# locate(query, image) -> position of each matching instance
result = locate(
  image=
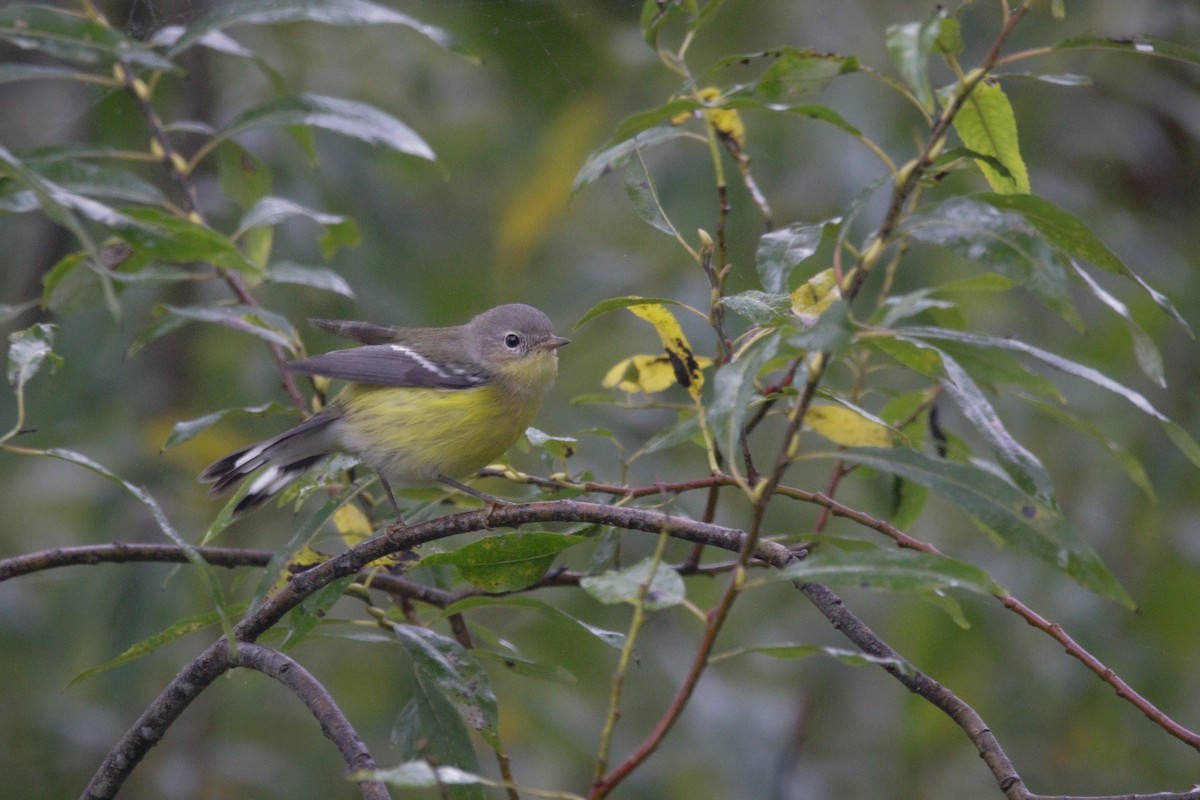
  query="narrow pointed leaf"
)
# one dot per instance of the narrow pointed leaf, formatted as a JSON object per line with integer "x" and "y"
{"x": 1182, "y": 439}
{"x": 74, "y": 37}
{"x": 313, "y": 277}
{"x": 346, "y": 117}
{"x": 1144, "y": 348}
{"x": 327, "y": 12}
{"x": 445, "y": 664}
{"x": 860, "y": 563}
{"x": 734, "y": 389}
{"x": 782, "y": 250}
{"x": 505, "y": 562}
{"x": 1073, "y": 238}
{"x": 430, "y": 727}
{"x": 151, "y": 643}
{"x": 189, "y": 429}
{"x": 611, "y": 638}
{"x": 1014, "y": 516}
{"x": 1002, "y": 241}
{"x": 611, "y": 158}
{"x": 791, "y": 652}
{"x": 1022, "y": 466}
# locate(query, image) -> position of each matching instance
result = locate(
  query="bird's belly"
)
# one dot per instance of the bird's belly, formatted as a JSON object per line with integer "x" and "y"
{"x": 412, "y": 435}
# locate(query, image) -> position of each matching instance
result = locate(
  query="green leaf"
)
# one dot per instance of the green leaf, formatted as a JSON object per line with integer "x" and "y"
{"x": 613, "y": 639}
{"x": 605, "y": 161}
{"x": 639, "y": 188}
{"x": 74, "y": 37}
{"x": 1002, "y": 508}
{"x": 1021, "y": 465}
{"x": 304, "y": 618}
{"x": 243, "y": 177}
{"x": 91, "y": 180}
{"x": 1075, "y": 240}
{"x": 664, "y": 587}
{"x": 782, "y": 250}
{"x": 1002, "y": 241}
{"x": 314, "y": 277}
{"x": 518, "y": 664}
{"x": 848, "y": 562}
{"x": 986, "y": 124}
{"x": 346, "y": 117}
{"x": 266, "y": 325}
{"x": 1144, "y": 348}
{"x": 1129, "y": 462}
{"x": 761, "y": 308}
{"x": 446, "y": 665}
{"x": 151, "y": 643}
{"x": 171, "y": 238}
{"x": 1186, "y": 444}
{"x": 422, "y": 775}
{"x": 271, "y": 211}
{"x": 792, "y": 652}
{"x": 48, "y": 199}
{"x": 686, "y": 429}
{"x": 189, "y": 429}
{"x": 429, "y": 726}
{"x": 554, "y": 446}
{"x": 24, "y": 72}
{"x": 28, "y": 350}
{"x": 612, "y": 304}
{"x": 734, "y": 389}
{"x": 327, "y": 12}
{"x": 644, "y": 120}
{"x": 798, "y": 72}
{"x": 203, "y": 568}
{"x": 505, "y": 562}
{"x": 909, "y": 46}
{"x": 1142, "y": 45}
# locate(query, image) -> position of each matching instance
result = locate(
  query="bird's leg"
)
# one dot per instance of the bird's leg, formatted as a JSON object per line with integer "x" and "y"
{"x": 491, "y": 500}
{"x": 387, "y": 487}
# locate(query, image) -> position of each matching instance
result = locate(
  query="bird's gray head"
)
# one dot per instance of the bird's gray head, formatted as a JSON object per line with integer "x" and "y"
{"x": 511, "y": 333}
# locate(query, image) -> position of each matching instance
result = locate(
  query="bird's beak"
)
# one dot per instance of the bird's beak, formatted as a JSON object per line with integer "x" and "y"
{"x": 553, "y": 343}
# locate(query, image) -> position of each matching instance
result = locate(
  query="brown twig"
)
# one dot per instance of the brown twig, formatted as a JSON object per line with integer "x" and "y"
{"x": 316, "y": 698}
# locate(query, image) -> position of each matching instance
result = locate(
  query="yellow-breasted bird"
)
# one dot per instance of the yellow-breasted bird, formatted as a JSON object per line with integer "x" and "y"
{"x": 420, "y": 404}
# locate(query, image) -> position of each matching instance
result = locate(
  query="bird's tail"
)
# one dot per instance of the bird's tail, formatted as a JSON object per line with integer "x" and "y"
{"x": 281, "y": 458}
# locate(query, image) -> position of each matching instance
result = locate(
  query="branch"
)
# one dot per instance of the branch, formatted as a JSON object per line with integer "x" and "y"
{"x": 214, "y": 661}
{"x": 918, "y": 682}
{"x": 317, "y": 699}
{"x": 120, "y": 552}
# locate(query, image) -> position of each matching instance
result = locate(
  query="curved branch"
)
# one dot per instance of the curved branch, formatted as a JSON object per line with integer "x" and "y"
{"x": 154, "y": 721}
{"x": 313, "y": 694}
{"x": 215, "y": 660}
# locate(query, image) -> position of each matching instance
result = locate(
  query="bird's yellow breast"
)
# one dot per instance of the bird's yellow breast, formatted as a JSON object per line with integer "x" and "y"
{"x": 414, "y": 434}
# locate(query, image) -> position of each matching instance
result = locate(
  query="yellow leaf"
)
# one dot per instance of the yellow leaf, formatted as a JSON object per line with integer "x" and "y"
{"x": 848, "y": 427}
{"x": 811, "y": 298}
{"x": 726, "y": 121}
{"x": 305, "y": 557}
{"x": 352, "y": 524}
{"x": 645, "y": 373}
{"x": 684, "y": 363}
{"x": 987, "y": 125}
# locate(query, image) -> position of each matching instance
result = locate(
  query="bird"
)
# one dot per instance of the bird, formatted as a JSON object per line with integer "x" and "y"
{"x": 420, "y": 405}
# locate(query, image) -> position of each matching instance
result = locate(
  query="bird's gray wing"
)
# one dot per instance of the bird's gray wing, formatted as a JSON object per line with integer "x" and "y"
{"x": 365, "y": 332}
{"x": 389, "y": 365}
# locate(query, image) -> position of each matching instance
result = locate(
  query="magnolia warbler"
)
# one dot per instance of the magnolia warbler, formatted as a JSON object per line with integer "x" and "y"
{"x": 419, "y": 405}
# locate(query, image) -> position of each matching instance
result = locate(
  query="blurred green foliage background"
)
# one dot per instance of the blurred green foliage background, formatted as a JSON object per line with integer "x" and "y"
{"x": 494, "y": 221}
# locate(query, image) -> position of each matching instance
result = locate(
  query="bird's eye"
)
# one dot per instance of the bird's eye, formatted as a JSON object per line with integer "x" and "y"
{"x": 512, "y": 341}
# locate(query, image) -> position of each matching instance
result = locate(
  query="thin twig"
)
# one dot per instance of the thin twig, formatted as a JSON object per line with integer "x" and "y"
{"x": 316, "y": 698}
